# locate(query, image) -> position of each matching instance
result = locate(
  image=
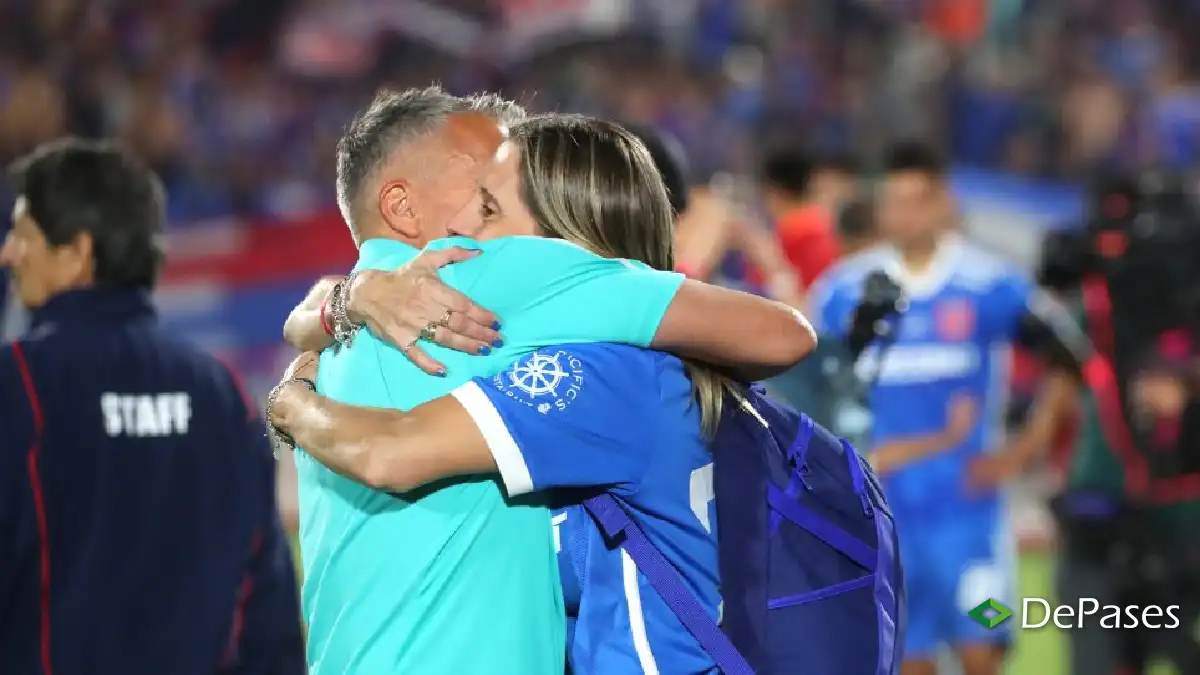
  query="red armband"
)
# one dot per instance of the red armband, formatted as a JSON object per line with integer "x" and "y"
{"x": 325, "y": 325}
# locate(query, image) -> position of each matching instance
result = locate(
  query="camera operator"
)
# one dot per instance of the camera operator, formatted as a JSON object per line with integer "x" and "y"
{"x": 1128, "y": 522}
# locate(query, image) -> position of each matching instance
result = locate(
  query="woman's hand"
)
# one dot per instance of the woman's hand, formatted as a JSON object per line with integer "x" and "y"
{"x": 410, "y": 304}
{"x": 302, "y": 367}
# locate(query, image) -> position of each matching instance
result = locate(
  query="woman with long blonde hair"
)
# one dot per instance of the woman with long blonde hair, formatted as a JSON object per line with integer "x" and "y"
{"x": 567, "y": 421}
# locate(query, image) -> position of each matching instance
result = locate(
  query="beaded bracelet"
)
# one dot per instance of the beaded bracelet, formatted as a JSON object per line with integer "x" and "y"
{"x": 343, "y": 328}
{"x": 279, "y": 438}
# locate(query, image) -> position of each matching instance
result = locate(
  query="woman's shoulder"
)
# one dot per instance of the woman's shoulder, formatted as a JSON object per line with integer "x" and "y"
{"x": 622, "y": 365}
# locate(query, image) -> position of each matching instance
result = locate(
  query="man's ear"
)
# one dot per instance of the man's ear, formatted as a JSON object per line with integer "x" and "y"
{"x": 75, "y": 261}
{"x": 397, "y": 209}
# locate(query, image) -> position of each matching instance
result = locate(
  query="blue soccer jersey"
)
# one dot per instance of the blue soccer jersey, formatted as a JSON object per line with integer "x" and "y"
{"x": 953, "y": 341}
{"x": 625, "y": 419}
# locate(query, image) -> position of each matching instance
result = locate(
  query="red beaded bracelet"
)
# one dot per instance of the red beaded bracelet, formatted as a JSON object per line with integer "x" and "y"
{"x": 325, "y": 325}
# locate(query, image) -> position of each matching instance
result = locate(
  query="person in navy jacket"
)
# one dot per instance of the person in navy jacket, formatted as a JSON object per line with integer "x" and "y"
{"x": 138, "y": 527}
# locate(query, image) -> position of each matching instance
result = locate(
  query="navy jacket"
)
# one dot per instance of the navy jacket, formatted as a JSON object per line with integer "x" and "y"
{"x": 3, "y": 298}
{"x": 138, "y": 526}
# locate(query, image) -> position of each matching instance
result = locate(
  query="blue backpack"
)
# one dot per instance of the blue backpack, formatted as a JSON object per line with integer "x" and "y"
{"x": 809, "y": 563}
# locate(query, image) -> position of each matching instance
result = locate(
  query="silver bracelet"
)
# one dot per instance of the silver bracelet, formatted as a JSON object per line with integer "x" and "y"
{"x": 337, "y": 314}
{"x": 343, "y": 328}
{"x": 280, "y": 439}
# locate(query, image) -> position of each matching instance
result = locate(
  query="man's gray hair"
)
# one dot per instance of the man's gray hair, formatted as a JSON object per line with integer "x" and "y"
{"x": 397, "y": 117}
{"x": 493, "y": 105}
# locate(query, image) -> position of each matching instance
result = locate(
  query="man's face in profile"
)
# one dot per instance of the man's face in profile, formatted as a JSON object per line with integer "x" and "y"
{"x": 470, "y": 143}
{"x": 29, "y": 258}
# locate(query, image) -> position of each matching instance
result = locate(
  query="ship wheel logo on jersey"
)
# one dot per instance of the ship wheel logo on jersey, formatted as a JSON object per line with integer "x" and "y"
{"x": 543, "y": 381}
{"x": 538, "y": 376}
{"x": 954, "y": 319}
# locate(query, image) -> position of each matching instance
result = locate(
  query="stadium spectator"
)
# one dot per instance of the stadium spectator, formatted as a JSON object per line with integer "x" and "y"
{"x": 802, "y": 194}
{"x": 712, "y": 226}
{"x": 819, "y": 385}
{"x": 856, "y": 228}
{"x": 244, "y": 102}
{"x": 138, "y": 530}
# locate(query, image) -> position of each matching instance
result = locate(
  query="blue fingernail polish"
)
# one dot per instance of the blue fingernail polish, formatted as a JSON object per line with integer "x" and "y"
{"x": 495, "y": 325}
{"x": 484, "y": 349}
{"x": 441, "y": 373}
{"x": 497, "y": 343}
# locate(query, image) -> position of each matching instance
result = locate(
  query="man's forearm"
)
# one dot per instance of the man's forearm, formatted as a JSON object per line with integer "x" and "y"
{"x": 303, "y": 329}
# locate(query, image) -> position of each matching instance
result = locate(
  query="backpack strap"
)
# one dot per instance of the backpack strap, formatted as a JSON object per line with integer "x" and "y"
{"x": 821, "y": 528}
{"x": 619, "y": 528}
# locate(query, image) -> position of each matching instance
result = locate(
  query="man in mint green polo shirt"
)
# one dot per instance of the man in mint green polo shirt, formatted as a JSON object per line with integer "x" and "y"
{"x": 478, "y": 569}
{"x": 454, "y": 580}
{"x": 414, "y": 584}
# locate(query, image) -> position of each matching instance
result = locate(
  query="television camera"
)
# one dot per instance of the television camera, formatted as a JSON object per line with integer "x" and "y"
{"x": 1135, "y": 264}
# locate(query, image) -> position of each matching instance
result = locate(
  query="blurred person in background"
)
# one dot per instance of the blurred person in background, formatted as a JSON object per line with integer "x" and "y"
{"x": 712, "y": 224}
{"x": 408, "y": 170}
{"x": 245, "y": 100}
{"x": 936, "y": 397}
{"x": 803, "y": 194}
{"x": 857, "y": 229}
{"x": 671, "y": 163}
{"x": 137, "y": 515}
{"x": 820, "y": 385}
{"x": 1093, "y": 510}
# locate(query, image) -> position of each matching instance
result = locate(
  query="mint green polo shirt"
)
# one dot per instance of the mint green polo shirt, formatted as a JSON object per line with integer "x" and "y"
{"x": 452, "y": 580}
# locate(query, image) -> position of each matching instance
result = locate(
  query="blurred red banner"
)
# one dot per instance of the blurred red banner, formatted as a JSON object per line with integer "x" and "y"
{"x": 239, "y": 253}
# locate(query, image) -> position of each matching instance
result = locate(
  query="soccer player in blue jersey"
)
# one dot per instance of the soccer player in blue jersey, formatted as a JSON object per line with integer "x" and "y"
{"x": 938, "y": 399}
{"x": 571, "y": 416}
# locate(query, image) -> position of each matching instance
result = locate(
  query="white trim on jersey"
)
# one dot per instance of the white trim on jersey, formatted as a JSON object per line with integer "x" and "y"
{"x": 932, "y": 280}
{"x": 637, "y": 619}
{"x": 509, "y": 460}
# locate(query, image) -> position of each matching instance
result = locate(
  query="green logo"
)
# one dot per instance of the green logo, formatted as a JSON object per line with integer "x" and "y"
{"x": 990, "y": 613}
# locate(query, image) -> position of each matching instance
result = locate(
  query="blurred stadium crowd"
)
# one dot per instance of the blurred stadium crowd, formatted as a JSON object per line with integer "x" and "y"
{"x": 238, "y": 106}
